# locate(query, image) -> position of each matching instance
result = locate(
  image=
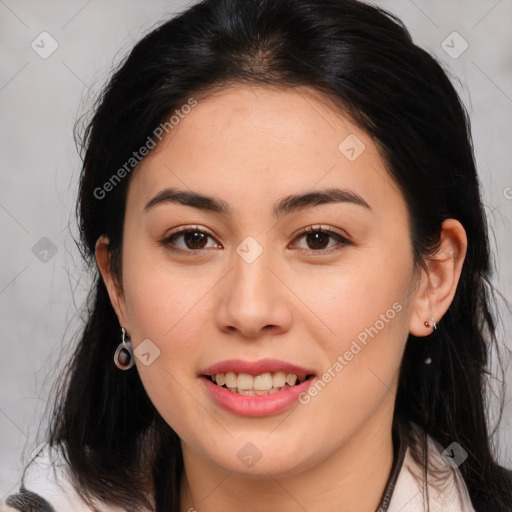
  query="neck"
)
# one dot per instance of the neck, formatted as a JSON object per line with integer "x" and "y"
{"x": 353, "y": 477}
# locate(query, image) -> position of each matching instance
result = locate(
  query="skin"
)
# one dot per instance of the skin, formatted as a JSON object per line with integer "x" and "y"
{"x": 251, "y": 146}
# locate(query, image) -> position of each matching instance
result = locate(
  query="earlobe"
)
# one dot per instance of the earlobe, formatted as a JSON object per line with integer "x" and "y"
{"x": 421, "y": 308}
{"x": 439, "y": 281}
{"x": 111, "y": 281}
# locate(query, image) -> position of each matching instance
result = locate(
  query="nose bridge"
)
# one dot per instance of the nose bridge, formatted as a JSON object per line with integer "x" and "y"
{"x": 252, "y": 297}
{"x": 251, "y": 275}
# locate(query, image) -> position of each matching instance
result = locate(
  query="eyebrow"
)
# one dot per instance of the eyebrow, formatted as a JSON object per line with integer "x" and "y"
{"x": 282, "y": 207}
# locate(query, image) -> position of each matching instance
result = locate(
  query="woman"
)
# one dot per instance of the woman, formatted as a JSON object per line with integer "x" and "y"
{"x": 292, "y": 308}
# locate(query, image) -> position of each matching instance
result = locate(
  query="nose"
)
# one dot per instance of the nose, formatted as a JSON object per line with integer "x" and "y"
{"x": 254, "y": 299}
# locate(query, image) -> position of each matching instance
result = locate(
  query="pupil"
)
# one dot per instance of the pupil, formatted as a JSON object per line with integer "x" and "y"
{"x": 315, "y": 242}
{"x": 195, "y": 238}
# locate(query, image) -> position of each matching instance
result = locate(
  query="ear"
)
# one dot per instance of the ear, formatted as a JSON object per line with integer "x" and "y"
{"x": 438, "y": 283}
{"x": 114, "y": 287}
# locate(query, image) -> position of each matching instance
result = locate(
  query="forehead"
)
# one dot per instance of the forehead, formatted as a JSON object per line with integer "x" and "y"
{"x": 261, "y": 142}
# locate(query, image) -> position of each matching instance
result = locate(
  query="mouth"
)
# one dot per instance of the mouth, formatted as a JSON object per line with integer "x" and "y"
{"x": 262, "y": 384}
{"x": 256, "y": 388}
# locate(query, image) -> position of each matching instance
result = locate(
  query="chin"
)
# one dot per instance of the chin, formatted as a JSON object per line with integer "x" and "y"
{"x": 251, "y": 458}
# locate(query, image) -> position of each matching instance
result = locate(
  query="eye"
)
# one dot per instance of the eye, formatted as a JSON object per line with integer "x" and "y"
{"x": 195, "y": 239}
{"x": 318, "y": 238}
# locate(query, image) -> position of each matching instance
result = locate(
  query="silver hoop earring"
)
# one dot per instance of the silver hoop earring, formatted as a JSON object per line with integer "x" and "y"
{"x": 123, "y": 357}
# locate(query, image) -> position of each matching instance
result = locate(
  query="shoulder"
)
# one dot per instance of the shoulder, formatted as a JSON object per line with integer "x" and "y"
{"x": 45, "y": 487}
{"x": 445, "y": 485}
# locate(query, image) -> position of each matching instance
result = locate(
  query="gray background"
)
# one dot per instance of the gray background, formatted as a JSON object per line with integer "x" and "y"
{"x": 40, "y": 100}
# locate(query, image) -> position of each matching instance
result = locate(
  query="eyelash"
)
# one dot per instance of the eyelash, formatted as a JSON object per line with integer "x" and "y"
{"x": 342, "y": 241}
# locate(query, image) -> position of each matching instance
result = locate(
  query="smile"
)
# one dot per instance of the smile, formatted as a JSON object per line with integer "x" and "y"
{"x": 261, "y": 385}
{"x": 255, "y": 388}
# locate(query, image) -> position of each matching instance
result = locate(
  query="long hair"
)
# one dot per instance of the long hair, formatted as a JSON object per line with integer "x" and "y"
{"x": 119, "y": 448}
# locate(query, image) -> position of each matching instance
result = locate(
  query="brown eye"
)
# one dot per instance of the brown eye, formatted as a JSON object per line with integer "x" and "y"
{"x": 317, "y": 239}
{"x": 193, "y": 240}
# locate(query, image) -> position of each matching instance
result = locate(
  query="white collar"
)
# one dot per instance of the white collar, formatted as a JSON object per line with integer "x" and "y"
{"x": 447, "y": 491}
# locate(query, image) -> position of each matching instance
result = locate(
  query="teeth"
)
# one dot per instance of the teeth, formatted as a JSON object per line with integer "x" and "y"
{"x": 291, "y": 379}
{"x": 245, "y": 391}
{"x": 245, "y": 381}
{"x": 231, "y": 380}
{"x": 279, "y": 379}
{"x": 264, "y": 384}
{"x": 255, "y": 392}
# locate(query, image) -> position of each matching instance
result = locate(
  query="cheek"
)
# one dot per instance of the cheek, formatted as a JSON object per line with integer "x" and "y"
{"x": 352, "y": 298}
{"x": 363, "y": 312}
{"x": 160, "y": 296}
{"x": 164, "y": 306}
{"x": 162, "y": 302}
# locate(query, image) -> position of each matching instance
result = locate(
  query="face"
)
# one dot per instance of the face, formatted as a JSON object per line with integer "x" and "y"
{"x": 245, "y": 290}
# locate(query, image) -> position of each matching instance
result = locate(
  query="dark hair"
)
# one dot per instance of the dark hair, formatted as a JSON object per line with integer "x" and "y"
{"x": 119, "y": 448}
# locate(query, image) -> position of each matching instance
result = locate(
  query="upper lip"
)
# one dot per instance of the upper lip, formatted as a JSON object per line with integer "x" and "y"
{"x": 256, "y": 367}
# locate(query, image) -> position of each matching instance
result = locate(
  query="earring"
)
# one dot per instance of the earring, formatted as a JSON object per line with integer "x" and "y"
{"x": 434, "y": 325}
{"x": 123, "y": 357}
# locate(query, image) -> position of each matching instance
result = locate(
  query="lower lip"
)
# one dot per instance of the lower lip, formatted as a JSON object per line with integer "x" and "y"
{"x": 255, "y": 405}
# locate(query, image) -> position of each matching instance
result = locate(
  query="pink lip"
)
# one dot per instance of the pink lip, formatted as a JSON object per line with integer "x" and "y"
{"x": 255, "y": 367}
{"x": 255, "y": 405}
